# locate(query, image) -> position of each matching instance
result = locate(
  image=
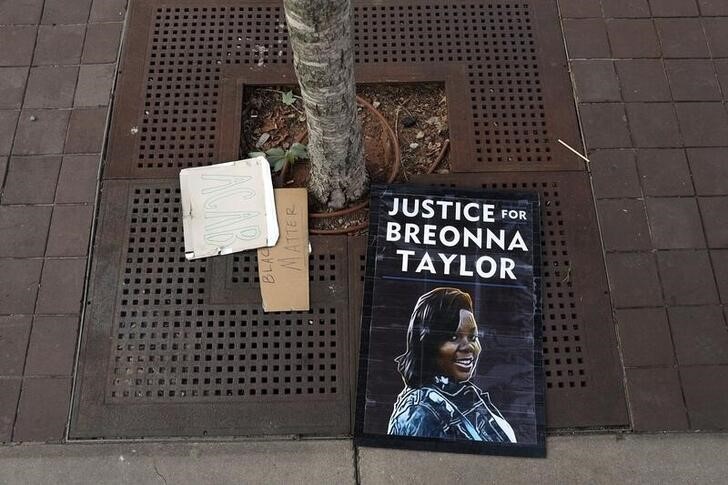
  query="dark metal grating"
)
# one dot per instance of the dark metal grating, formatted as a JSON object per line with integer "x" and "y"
{"x": 516, "y": 91}
{"x": 583, "y": 375}
{"x": 162, "y": 339}
{"x": 194, "y": 333}
{"x": 170, "y": 347}
{"x": 496, "y": 41}
{"x": 178, "y": 348}
{"x": 188, "y": 45}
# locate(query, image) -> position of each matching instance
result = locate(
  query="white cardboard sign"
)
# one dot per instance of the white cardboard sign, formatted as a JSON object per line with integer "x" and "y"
{"x": 228, "y": 207}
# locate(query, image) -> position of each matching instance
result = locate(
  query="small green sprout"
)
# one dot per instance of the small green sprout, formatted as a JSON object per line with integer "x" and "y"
{"x": 277, "y": 156}
{"x": 288, "y": 98}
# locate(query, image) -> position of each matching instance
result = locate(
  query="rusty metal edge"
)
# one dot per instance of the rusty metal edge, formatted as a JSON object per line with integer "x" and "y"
{"x": 130, "y": 85}
{"x": 558, "y": 94}
{"x": 91, "y": 380}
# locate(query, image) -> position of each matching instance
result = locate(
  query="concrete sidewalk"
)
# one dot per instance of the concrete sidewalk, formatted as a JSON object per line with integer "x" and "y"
{"x": 330, "y": 461}
{"x": 634, "y": 458}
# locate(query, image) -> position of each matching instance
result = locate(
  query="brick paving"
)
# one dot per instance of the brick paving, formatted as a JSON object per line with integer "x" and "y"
{"x": 651, "y": 83}
{"x": 57, "y": 67}
{"x": 651, "y": 86}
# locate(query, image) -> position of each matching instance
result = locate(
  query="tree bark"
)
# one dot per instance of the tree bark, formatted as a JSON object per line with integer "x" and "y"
{"x": 320, "y": 32}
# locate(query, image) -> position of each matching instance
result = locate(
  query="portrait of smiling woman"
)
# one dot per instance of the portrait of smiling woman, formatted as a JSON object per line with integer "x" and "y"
{"x": 439, "y": 400}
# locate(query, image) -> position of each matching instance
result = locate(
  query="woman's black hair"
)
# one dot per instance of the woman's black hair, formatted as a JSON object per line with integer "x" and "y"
{"x": 435, "y": 317}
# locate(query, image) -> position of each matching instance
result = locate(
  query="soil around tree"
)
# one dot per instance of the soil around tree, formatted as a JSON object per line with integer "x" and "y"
{"x": 418, "y": 115}
{"x": 416, "y": 112}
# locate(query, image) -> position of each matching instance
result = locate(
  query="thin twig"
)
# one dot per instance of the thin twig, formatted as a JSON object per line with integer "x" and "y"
{"x": 282, "y": 92}
{"x": 404, "y": 106}
{"x": 440, "y": 156}
{"x": 575, "y": 152}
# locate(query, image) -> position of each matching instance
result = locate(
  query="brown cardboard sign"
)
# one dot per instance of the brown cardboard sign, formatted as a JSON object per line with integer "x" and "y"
{"x": 283, "y": 268}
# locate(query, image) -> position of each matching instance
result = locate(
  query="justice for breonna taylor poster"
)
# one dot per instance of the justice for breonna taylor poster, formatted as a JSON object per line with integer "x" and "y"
{"x": 450, "y": 354}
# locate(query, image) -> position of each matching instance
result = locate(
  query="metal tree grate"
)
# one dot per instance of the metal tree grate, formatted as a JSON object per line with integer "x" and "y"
{"x": 181, "y": 348}
{"x": 188, "y": 45}
{"x": 170, "y": 347}
{"x": 563, "y": 342}
{"x": 516, "y": 84}
{"x": 579, "y": 343}
{"x": 497, "y": 43}
{"x": 181, "y": 342}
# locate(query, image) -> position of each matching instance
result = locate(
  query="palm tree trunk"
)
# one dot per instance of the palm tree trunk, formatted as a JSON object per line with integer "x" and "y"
{"x": 321, "y": 37}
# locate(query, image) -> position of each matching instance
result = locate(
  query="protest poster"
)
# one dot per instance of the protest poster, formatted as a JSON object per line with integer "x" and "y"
{"x": 450, "y": 355}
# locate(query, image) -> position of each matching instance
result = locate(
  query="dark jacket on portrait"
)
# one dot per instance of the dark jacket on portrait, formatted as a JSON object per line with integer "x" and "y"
{"x": 450, "y": 410}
